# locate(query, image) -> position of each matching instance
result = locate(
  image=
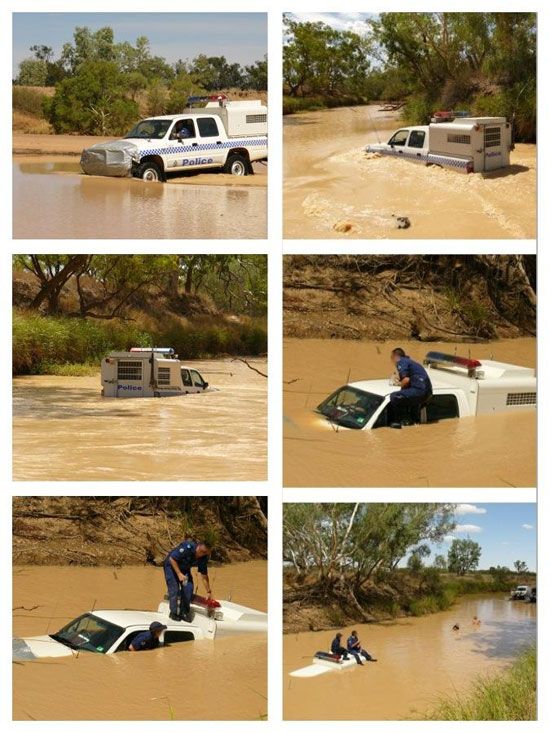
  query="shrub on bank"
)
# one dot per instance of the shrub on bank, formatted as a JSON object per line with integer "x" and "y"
{"x": 29, "y": 101}
{"x": 511, "y": 695}
{"x": 69, "y": 346}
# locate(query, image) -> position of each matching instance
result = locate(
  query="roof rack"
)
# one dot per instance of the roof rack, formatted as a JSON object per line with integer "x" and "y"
{"x": 437, "y": 358}
{"x": 155, "y": 349}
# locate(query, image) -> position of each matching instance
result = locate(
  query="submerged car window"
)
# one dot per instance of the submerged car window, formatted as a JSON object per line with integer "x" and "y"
{"x": 90, "y": 633}
{"x": 400, "y": 138}
{"x": 442, "y": 407}
{"x": 416, "y": 139}
{"x": 198, "y": 381}
{"x": 174, "y": 637}
{"x": 350, "y": 407}
{"x": 150, "y": 129}
{"x": 208, "y": 127}
{"x": 186, "y": 378}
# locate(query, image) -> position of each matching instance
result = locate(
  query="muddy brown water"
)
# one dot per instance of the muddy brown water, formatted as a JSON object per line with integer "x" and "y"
{"x": 66, "y": 204}
{"x": 221, "y": 679}
{"x": 64, "y": 430}
{"x": 420, "y": 660}
{"x": 489, "y": 450}
{"x": 330, "y": 183}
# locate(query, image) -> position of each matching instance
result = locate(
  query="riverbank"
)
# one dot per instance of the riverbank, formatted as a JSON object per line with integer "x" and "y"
{"x": 307, "y": 607}
{"x": 295, "y": 105}
{"x": 68, "y": 346}
{"x": 111, "y": 531}
{"x": 511, "y": 695}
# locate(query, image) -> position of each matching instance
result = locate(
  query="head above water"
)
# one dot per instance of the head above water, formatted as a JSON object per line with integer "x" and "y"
{"x": 156, "y": 628}
{"x": 396, "y": 354}
{"x": 338, "y": 635}
{"x": 202, "y": 549}
{"x": 354, "y": 633}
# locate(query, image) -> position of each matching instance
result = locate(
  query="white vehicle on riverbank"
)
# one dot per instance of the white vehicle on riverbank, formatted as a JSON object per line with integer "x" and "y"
{"x": 324, "y": 662}
{"x": 521, "y": 593}
{"x": 148, "y": 372}
{"x": 223, "y": 134}
{"x": 108, "y": 631}
{"x": 462, "y": 387}
{"x": 467, "y": 144}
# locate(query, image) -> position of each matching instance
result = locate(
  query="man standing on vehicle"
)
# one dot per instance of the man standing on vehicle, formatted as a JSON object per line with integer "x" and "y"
{"x": 148, "y": 639}
{"x": 416, "y": 387}
{"x": 179, "y": 578}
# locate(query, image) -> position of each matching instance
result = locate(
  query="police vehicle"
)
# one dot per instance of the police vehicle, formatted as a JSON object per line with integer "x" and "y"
{"x": 228, "y": 135}
{"x": 148, "y": 372}
{"x": 462, "y": 387}
{"x": 108, "y": 632}
{"x": 466, "y": 144}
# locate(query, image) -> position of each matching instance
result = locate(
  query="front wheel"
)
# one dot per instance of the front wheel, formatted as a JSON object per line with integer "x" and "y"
{"x": 150, "y": 172}
{"x": 237, "y": 165}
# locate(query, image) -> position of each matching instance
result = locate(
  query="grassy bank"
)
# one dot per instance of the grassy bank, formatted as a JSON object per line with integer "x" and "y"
{"x": 291, "y": 105}
{"x": 511, "y": 695}
{"x": 75, "y": 346}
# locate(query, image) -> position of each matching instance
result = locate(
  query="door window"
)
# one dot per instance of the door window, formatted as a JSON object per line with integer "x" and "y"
{"x": 183, "y": 130}
{"x": 208, "y": 127}
{"x": 400, "y": 138}
{"x": 416, "y": 139}
{"x": 442, "y": 407}
{"x": 186, "y": 378}
{"x": 198, "y": 381}
{"x": 175, "y": 637}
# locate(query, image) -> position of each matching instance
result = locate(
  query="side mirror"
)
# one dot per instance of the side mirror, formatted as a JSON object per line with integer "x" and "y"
{"x": 205, "y": 385}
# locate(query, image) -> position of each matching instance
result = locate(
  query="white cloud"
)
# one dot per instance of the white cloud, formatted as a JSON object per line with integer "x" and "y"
{"x": 468, "y": 529}
{"x": 527, "y": 526}
{"x": 469, "y": 509}
{"x": 355, "y": 22}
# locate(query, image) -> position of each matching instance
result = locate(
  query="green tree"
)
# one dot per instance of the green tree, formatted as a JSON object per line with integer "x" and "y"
{"x": 520, "y": 567}
{"x": 463, "y": 556}
{"x": 255, "y": 76}
{"x": 157, "y": 98}
{"x": 32, "y": 73}
{"x": 93, "y": 101}
{"x": 181, "y": 88}
{"x": 440, "y": 562}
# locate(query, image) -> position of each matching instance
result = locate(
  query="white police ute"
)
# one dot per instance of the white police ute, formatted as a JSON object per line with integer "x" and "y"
{"x": 462, "y": 387}
{"x": 227, "y": 135}
{"x": 108, "y": 631}
{"x": 148, "y": 372}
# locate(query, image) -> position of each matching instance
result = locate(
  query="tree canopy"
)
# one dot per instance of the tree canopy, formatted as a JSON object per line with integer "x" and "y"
{"x": 463, "y": 556}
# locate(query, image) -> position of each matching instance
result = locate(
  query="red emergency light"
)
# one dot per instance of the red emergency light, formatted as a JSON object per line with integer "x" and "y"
{"x": 437, "y": 357}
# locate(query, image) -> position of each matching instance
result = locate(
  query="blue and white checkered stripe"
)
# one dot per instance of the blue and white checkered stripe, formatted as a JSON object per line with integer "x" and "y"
{"x": 176, "y": 149}
{"x": 444, "y": 160}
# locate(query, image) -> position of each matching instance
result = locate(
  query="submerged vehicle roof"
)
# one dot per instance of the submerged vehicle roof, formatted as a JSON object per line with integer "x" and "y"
{"x": 442, "y": 377}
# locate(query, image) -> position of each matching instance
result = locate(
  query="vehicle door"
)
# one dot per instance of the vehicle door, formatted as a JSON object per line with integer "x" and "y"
{"x": 199, "y": 385}
{"x": 415, "y": 148}
{"x": 122, "y": 644}
{"x": 212, "y": 142}
{"x": 182, "y": 148}
{"x": 380, "y": 419}
{"x": 398, "y": 142}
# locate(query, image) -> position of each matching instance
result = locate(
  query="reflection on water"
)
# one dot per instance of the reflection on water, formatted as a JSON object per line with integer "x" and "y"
{"x": 419, "y": 660}
{"x": 64, "y": 430}
{"x": 489, "y": 450}
{"x": 221, "y": 679}
{"x": 329, "y": 181}
{"x": 66, "y": 204}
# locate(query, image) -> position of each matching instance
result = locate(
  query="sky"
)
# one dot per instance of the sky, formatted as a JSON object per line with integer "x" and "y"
{"x": 506, "y": 532}
{"x": 240, "y": 37}
{"x": 339, "y": 21}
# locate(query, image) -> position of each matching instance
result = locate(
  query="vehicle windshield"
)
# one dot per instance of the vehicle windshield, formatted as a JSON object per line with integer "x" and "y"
{"x": 150, "y": 130}
{"x": 90, "y": 633}
{"x": 350, "y": 407}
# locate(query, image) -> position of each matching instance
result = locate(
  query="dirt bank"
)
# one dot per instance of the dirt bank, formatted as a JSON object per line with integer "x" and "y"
{"x": 307, "y": 607}
{"x": 428, "y": 298}
{"x": 117, "y": 531}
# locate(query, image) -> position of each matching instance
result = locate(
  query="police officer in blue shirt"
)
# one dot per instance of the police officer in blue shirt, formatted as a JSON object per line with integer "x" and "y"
{"x": 148, "y": 639}
{"x": 179, "y": 578}
{"x": 416, "y": 387}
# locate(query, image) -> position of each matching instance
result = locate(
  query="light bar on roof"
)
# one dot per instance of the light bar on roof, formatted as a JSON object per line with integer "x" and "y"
{"x": 148, "y": 350}
{"x": 438, "y": 357}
